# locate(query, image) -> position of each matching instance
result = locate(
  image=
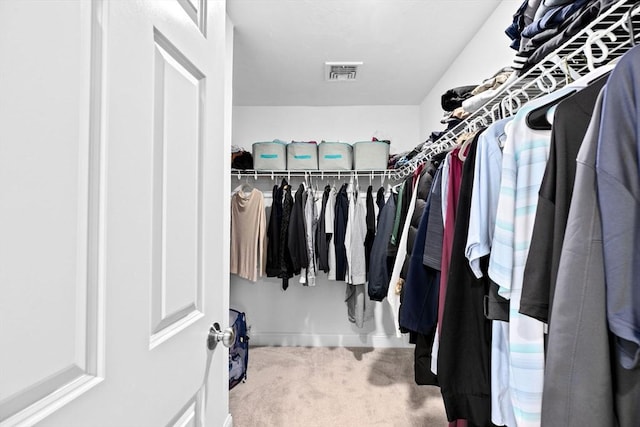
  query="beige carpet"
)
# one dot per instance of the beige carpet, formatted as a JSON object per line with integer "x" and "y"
{"x": 333, "y": 387}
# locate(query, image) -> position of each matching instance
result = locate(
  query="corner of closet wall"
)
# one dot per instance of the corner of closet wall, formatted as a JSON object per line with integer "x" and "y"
{"x": 486, "y": 53}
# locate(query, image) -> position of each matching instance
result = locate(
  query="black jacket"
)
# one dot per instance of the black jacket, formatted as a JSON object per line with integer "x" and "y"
{"x": 286, "y": 266}
{"x": 424, "y": 186}
{"x": 297, "y": 240}
{"x": 322, "y": 239}
{"x": 340, "y": 229}
{"x": 273, "y": 233}
{"x": 379, "y": 264}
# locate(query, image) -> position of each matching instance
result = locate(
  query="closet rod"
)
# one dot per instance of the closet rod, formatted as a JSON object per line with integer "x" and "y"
{"x": 610, "y": 35}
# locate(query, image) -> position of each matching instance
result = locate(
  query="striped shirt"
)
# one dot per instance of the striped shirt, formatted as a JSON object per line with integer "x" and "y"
{"x": 524, "y": 160}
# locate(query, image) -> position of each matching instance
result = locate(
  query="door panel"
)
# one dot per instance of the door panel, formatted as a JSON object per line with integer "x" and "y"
{"x": 179, "y": 95}
{"x": 110, "y": 263}
{"x": 197, "y": 11}
{"x": 49, "y": 216}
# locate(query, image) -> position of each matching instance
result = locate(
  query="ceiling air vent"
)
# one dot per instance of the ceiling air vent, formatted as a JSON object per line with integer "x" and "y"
{"x": 341, "y": 71}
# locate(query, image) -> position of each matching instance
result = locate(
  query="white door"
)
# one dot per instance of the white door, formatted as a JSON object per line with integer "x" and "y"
{"x": 113, "y": 216}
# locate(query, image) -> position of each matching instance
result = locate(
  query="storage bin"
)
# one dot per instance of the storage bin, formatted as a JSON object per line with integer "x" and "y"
{"x": 302, "y": 156}
{"x": 370, "y": 155}
{"x": 335, "y": 156}
{"x": 269, "y": 155}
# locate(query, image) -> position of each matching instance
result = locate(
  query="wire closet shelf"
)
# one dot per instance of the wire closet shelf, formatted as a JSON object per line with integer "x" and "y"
{"x": 321, "y": 175}
{"x": 602, "y": 42}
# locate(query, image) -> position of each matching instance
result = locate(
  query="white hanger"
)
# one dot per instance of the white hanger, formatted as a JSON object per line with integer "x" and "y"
{"x": 628, "y": 25}
{"x": 595, "y": 37}
{"x": 546, "y": 74}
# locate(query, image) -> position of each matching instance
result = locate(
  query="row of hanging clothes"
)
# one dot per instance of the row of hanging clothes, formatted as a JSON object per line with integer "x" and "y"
{"x": 331, "y": 233}
{"x": 523, "y": 298}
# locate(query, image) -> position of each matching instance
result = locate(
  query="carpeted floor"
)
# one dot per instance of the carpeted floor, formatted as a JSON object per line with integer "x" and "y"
{"x": 333, "y": 387}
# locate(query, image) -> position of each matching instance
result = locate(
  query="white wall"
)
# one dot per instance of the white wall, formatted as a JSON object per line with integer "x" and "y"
{"x": 308, "y": 316}
{"x": 400, "y": 124}
{"x": 485, "y": 54}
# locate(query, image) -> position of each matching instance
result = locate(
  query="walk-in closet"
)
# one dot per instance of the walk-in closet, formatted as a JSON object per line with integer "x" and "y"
{"x": 458, "y": 255}
{"x": 312, "y": 213}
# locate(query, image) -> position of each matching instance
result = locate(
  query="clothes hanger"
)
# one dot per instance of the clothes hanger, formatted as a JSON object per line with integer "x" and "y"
{"x": 546, "y": 76}
{"x": 595, "y": 37}
{"x": 467, "y": 139}
{"x": 541, "y": 117}
{"x": 538, "y": 118}
{"x": 284, "y": 184}
{"x": 629, "y": 24}
{"x": 247, "y": 187}
{"x": 512, "y": 102}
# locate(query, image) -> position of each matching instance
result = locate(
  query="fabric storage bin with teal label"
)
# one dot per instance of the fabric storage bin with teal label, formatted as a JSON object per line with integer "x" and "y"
{"x": 269, "y": 156}
{"x": 335, "y": 156}
{"x": 302, "y": 156}
{"x": 370, "y": 155}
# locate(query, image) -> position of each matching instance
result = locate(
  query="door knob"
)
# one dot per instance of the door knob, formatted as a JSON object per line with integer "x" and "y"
{"x": 228, "y": 336}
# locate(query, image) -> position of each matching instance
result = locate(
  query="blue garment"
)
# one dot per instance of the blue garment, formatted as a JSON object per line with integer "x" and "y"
{"x": 419, "y": 309}
{"x": 618, "y": 170}
{"x": 553, "y": 18}
{"x": 379, "y": 271}
{"x": 514, "y": 30}
{"x": 432, "y": 256}
{"x": 486, "y": 189}
{"x": 482, "y": 220}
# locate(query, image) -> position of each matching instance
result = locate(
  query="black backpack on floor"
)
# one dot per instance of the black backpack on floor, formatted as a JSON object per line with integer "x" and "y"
{"x": 239, "y": 351}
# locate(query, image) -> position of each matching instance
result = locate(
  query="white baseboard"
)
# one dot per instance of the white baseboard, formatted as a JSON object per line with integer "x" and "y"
{"x": 327, "y": 340}
{"x": 229, "y": 421}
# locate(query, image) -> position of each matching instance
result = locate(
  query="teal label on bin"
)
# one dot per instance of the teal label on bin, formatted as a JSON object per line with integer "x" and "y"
{"x": 333, "y": 156}
{"x": 268, "y": 156}
{"x": 302, "y": 156}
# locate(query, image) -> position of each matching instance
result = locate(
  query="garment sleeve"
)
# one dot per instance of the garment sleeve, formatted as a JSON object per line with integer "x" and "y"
{"x": 484, "y": 201}
{"x": 347, "y": 241}
{"x": 537, "y": 271}
{"x": 444, "y": 187}
{"x": 358, "y": 266}
{"x": 502, "y": 252}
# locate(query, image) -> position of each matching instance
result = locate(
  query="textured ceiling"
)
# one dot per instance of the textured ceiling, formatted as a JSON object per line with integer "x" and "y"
{"x": 281, "y": 46}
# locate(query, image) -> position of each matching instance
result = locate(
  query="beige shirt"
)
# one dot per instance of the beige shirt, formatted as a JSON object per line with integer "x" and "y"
{"x": 248, "y": 234}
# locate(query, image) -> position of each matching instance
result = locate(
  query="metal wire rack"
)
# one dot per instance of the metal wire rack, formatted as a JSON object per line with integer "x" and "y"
{"x": 602, "y": 42}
